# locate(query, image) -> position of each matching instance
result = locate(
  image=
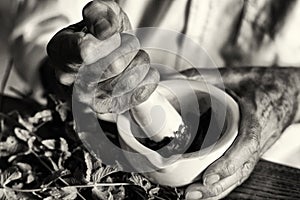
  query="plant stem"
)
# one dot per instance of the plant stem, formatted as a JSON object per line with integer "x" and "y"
{"x": 5, "y": 79}
{"x": 69, "y": 186}
{"x": 62, "y": 180}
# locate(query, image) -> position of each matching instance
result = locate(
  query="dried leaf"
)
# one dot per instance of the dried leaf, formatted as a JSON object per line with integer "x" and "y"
{"x": 24, "y": 122}
{"x": 104, "y": 171}
{"x": 99, "y": 193}
{"x": 53, "y": 177}
{"x": 2, "y": 194}
{"x": 43, "y": 116}
{"x": 9, "y": 195}
{"x": 22, "y": 134}
{"x": 27, "y": 170}
{"x": 140, "y": 181}
{"x": 179, "y": 193}
{"x": 70, "y": 193}
{"x": 111, "y": 192}
{"x": 67, "y": 193}
{"x": 10, "y": 146}
{"x": 64, "y": 147}
{"x": 89, "y": 166}
{"x": 62, "y": 109}
{"x": 153, "y": 192}
{"x": 30, "y": 143}
{"x": 24, "y": 167}
{"x": 30, "y": 179}
{"x": 50, "y": 144}
{"x": 12, "y": 177}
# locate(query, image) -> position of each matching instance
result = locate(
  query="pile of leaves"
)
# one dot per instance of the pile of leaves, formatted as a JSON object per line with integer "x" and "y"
{"x": 41, "y": 157}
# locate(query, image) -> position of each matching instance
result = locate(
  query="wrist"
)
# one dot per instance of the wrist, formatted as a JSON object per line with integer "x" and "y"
{"x": 282, "y": 88}
{"x": 296, "y": 78}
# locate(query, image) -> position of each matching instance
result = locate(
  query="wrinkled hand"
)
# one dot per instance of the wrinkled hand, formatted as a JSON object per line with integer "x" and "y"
{"x": 90, "y": 40}
{"x": 268, "y": 100}
{"x": 110, "y": 72}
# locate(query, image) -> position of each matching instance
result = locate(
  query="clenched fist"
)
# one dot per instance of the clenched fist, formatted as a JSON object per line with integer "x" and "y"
{"x": 116, "y": 75}
{"x": 86, "y": 42}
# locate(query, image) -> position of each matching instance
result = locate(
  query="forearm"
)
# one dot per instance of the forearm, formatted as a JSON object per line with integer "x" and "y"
{"x": 273, "y": 90}
{"x": 272, "y": 94}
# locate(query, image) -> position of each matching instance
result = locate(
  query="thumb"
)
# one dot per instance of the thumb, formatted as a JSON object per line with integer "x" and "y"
{"x": 103, "y": 18}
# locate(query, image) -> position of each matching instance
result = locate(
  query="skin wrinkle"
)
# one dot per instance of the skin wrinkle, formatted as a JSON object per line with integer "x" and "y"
{"x": 268, "y": 98}
{"x": 273, "y": 91}
{"x": 282, "y": 98}
{"x": 248, "y": 167}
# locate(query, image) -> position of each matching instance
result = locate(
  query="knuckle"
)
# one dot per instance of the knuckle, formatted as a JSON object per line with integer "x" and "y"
{"x": 229, "y": 168}
{"x": 92, "y": 8}
{"x": 248, "y": 167}
{"x": 217, "y": 189}
{"x": 253, "y": 143}
{"x": 224, "y": 166}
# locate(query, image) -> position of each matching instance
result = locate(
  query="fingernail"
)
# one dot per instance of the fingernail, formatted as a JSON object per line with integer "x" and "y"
{"x": 193, "y": 195}
{"x": 211, "y": 179}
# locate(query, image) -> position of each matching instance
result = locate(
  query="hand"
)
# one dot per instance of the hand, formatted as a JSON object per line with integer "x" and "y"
{"x": 268, "y": 98}
{"x": 86, "y": 42}
{"x": 116, "y": 74}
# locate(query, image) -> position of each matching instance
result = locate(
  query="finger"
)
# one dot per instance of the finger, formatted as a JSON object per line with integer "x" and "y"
{"x": 69, "y": 49}
{"x": 109, "y": 103}
{"x": 72, "y": 47}
{"x": 222, "y": 188}
{"x": 68, "y": 58}
{"x": 103, "y": 18}
{"x": 65, "y": 78}
{"x": 64, "y": 47}
{"x": 130, "y": 77}
{"x": 92, "y": 49}
{"x": 245, "y": 145}
{"x": 113, "y": 64}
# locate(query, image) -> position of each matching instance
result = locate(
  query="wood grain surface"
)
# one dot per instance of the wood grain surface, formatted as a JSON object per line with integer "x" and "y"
{"x": 270, "y": 181}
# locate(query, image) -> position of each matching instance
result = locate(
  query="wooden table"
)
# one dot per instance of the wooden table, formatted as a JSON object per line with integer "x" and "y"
{"x": 270, "y": 181}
